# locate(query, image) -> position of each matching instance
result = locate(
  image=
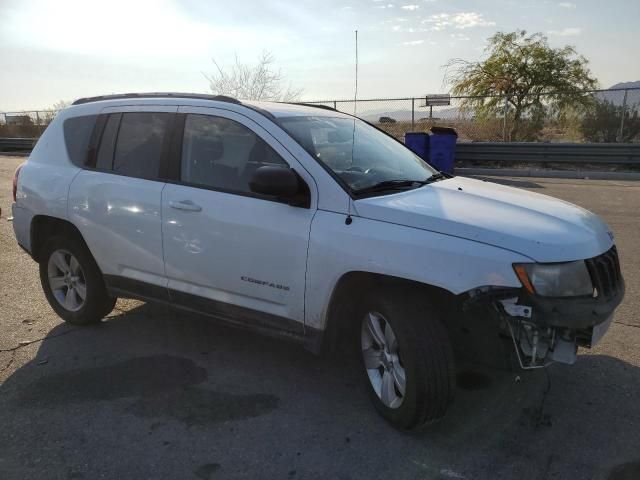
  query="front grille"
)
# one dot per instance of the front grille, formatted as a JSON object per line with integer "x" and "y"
{"x": 605, "y": 273}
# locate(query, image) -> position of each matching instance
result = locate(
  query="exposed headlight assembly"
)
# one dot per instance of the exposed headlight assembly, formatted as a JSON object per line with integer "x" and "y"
{"x": 570, "y": 279}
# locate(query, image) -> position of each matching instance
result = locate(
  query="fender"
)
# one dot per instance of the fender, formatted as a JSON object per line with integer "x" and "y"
{"x": 450, "y": 263}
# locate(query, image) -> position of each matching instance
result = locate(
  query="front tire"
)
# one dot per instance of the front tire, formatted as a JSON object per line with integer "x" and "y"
{"x": 406, "y": 357}
{"x": 72, "y": 282}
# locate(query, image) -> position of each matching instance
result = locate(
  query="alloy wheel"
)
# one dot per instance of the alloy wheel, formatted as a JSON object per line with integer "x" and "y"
{"x": 382, "y": 360}
{"x": 67, "y": 280}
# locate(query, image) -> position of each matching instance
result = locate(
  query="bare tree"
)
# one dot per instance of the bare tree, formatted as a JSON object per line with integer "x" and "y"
{"x": 61, "y": 104}
{"x": 252, "y": 82}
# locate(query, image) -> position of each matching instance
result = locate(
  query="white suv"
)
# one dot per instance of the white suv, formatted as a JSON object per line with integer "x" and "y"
{"x": 306, "y": 223}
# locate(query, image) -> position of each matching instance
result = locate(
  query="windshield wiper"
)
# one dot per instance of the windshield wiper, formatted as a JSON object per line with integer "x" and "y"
{"x": 390, "y": 185}
{"x": 437, "y": 177}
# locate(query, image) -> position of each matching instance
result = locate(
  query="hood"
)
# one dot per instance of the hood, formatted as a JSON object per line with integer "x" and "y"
{"x": 540, "y": 227}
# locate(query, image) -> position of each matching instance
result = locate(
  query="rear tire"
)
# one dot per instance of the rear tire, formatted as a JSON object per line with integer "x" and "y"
{"x": 406, "y": 357}
{"x": 72, "y": 281}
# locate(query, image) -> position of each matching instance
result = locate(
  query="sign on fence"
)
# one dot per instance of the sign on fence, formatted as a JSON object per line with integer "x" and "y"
{"x": 436, "y": 100}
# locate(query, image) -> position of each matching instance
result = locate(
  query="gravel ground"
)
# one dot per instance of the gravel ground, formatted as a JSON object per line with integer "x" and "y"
{"x": 151, "y": 393}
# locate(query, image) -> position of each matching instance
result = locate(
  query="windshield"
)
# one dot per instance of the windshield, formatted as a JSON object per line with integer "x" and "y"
{"x": 359, "y": 154}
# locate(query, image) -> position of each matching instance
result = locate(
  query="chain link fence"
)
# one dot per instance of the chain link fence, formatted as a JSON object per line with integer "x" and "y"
{"x": 600, "y": 116}
{"x": 26, "y": 124}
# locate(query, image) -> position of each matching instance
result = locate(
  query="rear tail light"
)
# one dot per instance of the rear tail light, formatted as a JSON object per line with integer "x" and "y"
{"x": 15, "y": 181}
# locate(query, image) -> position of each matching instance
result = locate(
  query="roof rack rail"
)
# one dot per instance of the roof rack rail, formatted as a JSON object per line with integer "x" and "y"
{"x": 314, "y": 105}
{"x": 117, "y": 96}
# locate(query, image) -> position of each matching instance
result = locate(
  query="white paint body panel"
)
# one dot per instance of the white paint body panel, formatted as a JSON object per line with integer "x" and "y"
{"x": 541, "y": 227}
{"x": 452, "y": 263}
{"x": 212, "y": 253}
{"x": 44, "y": 179}
{"x": 119, "y": 218}
{"x": 456, "y": 234}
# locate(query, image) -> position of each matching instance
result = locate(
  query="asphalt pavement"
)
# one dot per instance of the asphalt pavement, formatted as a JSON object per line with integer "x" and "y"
{"x": 153, "y": 393}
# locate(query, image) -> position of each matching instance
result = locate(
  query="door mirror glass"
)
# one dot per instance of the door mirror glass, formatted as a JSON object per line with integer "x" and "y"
{"x": 274, "y": 181}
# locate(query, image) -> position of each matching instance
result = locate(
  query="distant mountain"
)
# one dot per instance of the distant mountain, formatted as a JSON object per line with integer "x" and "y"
{"x": 633, "y": 96}
{"x": 635, "y": 84}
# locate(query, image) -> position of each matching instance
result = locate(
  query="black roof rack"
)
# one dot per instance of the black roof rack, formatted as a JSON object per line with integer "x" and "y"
{"x": 314, "y": 105}
{"x": 117, "y": 96}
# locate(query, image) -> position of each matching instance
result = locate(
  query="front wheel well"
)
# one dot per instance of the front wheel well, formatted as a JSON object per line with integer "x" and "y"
{"x": 351, "y": 289}
{"x": 44, "y": 227}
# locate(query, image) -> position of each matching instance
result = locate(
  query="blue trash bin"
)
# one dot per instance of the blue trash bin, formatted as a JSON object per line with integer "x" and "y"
{"x": 418, "y": 143}
{"x": 442, "y": 148}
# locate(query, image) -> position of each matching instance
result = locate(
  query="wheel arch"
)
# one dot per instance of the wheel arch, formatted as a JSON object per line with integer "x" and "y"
{"x": 44, "y": 227}
{"x": 349, "y": 291}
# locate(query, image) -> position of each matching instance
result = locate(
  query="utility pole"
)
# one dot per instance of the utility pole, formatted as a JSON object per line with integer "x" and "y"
{"x": 504, "y": 118}
{"x": 355, "y": 95}
{"x": 624, "y": 108}
{"x": 413, "y": 113}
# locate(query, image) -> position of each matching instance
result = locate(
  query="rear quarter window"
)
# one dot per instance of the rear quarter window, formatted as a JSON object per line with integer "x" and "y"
{"x": 77, "y": 134}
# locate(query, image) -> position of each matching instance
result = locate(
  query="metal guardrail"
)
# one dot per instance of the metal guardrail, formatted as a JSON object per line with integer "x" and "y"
{"x": 577, "y": 153}
{"x": 482, "y": 152}
{"x": 16, "y": 144}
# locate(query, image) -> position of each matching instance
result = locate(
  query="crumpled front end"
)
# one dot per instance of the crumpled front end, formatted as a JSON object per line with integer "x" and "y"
{"x": 548, "y": 329}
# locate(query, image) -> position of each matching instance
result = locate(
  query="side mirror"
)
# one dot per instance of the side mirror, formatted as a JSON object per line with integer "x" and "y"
{"x": 274, "y": 181}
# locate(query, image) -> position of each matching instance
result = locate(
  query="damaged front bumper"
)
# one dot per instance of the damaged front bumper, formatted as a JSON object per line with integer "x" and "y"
{"x": 545, "y": 330}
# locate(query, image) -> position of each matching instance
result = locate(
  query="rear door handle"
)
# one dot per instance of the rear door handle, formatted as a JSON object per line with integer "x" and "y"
{"x": 187, "y": 205}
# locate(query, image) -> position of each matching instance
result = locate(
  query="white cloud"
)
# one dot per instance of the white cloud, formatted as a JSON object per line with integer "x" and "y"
{"x": 413, "y": 42}
{"x": 410, "y": 7}
{"x": 460, "y": 36}
{"x": 566, "y": 32}
{"x": 461, "y": 20}
{"x": 567, "y": 5}
{"x": 388, "y": 5}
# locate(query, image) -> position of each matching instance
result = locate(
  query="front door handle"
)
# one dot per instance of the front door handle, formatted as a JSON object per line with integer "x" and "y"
{"x": 187, "y": 205}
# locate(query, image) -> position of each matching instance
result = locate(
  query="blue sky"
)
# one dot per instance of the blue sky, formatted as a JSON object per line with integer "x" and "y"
{"x": 64, "y": 49}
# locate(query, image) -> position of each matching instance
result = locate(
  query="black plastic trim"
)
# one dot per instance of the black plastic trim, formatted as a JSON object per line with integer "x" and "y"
{"x": 124, "y": 96}
{"x": 175, "y": 150}
{"x": 94, "y": 141}
{"x": 261, "y": 111}
{"x": 167, "y": 144}
{"x": 123, "y": 286}
{"x": 312, "y": 105}
{"x": 246, "y": 318}
{"x": 235, "y": 314}
{"x": 573, "y": 312}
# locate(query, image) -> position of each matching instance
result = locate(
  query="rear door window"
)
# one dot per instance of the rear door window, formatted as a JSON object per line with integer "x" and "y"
{"x": 139, "y": 143}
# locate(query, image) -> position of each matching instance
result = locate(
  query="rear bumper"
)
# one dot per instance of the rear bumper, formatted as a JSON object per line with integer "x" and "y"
{"x": 22, "y": 226}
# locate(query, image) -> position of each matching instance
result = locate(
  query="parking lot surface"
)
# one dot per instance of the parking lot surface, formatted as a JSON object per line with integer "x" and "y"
{"x": 154, "y": 393}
